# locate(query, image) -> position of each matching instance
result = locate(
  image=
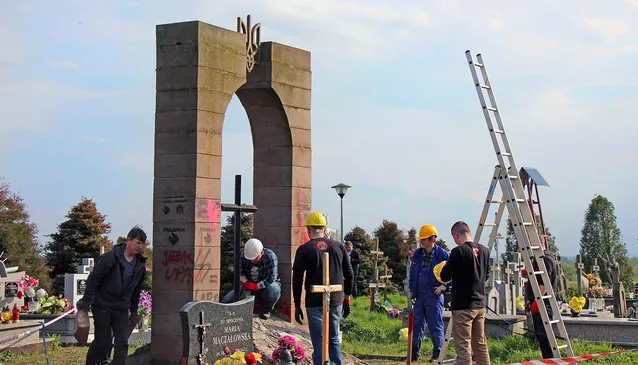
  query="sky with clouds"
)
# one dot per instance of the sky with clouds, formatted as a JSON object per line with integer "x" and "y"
{"x": 394, "y": 110}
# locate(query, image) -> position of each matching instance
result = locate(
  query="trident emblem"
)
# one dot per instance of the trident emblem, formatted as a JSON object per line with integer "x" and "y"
{"x": 253, "y": 35}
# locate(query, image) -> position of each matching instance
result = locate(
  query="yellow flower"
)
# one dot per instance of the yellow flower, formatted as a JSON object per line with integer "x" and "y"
{"x": 598, "y": 280}
{"x": 218, "y": 362}
{"x": 239, "y": 355}
{"x": 257, "y": 357}
{"x": 227, "y": 361}
{"x": 590, "y": 276}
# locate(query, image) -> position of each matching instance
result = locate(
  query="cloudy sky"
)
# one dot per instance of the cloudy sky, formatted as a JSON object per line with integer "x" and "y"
{"x": 394, "y": 111}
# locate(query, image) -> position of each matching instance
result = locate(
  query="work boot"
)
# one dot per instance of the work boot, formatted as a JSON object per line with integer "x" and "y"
{"x": 264, "y": 316}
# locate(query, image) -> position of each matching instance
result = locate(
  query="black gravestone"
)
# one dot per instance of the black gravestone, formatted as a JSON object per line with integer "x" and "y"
{"x": 81, "y": 286}
{"x": 10, "y": 289}
{"x": 221, "y": 325}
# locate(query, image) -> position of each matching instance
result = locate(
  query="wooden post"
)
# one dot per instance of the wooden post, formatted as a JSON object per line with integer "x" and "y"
{"x": 579, "y": 273}
{"x": 372, "y": 287}
{"x": 385, "y": 283}
{"x": 101, "y": 250}
{"x": 326, "y": 289}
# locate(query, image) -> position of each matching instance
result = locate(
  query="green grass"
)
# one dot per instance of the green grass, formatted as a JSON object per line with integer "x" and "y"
{"x": 372, "y": 333}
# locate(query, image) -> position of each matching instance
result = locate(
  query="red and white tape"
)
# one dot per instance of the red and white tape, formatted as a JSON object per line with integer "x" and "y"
{"x": 569, "y": 360}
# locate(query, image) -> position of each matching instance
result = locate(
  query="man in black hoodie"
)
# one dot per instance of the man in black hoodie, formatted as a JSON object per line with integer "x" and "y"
{"x": 113, "y": 291}
{"x": 549, "y": 260}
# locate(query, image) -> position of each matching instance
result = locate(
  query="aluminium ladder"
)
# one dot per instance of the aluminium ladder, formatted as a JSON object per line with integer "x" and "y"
{"x": 525, "y": 229}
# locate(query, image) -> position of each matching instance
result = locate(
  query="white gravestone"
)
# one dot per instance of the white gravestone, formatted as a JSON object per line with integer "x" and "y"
{"x": 75, "y": 284}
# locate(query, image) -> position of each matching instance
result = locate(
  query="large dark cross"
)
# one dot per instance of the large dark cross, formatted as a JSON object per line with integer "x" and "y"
{"x": 237, "y": 209}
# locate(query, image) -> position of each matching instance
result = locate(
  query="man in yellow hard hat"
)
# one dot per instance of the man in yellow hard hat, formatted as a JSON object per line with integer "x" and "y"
{"x": 309, "y": 261}
{"x": 426, "y": 292}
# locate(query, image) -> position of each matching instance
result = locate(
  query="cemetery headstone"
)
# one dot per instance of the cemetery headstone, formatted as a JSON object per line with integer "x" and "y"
{"x": 618, "y": 292}
{"x": 580, "y": 274}
{"x": 208, "y": 327}
{"x": 9, "y": 278}
{"x": 493, "y": 299}
{"x": 75, "y": 284}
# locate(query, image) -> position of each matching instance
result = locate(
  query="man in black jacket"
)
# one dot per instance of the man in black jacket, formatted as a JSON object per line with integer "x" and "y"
{"x": 549, "y": 260}
{"x": 309, "y": 263}
{"x": 467, "y": 267}
{"x": 113, "y": 291}
{"x": 355, "y": 260}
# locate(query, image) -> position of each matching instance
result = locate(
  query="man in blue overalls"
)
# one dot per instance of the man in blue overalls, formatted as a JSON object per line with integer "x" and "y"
{"x": 426, "y": 292}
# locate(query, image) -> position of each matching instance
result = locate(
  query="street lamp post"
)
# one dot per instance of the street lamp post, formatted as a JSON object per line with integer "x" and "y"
{"x": 341, "y": 189}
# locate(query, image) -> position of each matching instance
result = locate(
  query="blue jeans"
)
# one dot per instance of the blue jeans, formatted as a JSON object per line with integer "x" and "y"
{"x": 315, "y": 326}
{"x": 268, "y": 296}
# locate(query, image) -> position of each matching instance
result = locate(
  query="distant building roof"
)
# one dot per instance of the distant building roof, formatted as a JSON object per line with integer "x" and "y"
{"x": 534, "y": 175}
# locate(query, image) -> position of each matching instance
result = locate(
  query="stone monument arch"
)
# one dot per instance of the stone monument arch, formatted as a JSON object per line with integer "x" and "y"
{"x": 199, "y": 68}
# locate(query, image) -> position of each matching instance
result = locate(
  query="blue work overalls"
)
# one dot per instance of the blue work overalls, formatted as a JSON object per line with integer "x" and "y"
{"x": 428, "y": 309}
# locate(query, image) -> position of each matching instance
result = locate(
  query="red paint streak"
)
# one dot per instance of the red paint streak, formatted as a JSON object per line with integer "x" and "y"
{"x": 209, "y": 210}
{"x": 179, "y": 275}
{"x": 177, "y": 257}
{"x": 302, "y": 198}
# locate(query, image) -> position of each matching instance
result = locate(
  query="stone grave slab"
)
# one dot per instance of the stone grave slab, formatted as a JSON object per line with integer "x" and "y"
{"x": 208, "y": 327}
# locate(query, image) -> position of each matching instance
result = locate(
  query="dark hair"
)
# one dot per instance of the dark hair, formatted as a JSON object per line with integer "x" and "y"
{"x": 136, "y": 233}
{"x": 460, "y": 227}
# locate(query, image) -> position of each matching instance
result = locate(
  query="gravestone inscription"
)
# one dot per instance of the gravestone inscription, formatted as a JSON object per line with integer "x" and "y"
{"x": 11, "y": 289}
{"x": 81, "y": 286}
{"x": 208, "y": 327}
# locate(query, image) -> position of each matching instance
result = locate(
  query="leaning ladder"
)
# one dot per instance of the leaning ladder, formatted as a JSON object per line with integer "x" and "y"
{"x": 526, "y": 231}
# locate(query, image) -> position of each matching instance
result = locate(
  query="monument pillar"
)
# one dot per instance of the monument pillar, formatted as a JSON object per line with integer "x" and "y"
{"x": 199, "y": 68}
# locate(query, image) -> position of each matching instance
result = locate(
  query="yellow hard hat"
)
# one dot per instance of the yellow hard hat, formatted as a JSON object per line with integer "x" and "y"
{"x": 437, "y": 272}
{"x": 315, "y": 219}
{"x": 427, "y": 231}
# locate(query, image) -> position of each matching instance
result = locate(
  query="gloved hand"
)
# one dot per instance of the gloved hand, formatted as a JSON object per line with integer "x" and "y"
{"x": 534, "y": 307}
{"x": 298, "y": 315}
{"x": 413, "y": 298}
{"x": 83, "y": 304}
{"x": 440, "y": 289}
{"x": 346, "y": 308}
{"x": 249, "y": 285}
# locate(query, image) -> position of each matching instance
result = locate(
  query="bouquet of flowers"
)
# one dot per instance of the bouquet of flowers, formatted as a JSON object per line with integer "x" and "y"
{"x": 289, "y": 343}
{"x": 597, "y": 291}
{"x": 394, "y": 313}
{"x": 594, "y": 279}
{"x": 146, "y": 304}
{"x": 27, "y": 287}
{"x": 53, "y": 304}
{"x": 576, "y": 304}
{"x": 239, "y": 357}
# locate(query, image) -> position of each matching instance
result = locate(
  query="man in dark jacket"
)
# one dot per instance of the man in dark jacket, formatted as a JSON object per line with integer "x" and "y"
{"x": 355, "y": 260}
{"x": 309, "y": 260}
{"x": 467, "y": 267}
{"x": 113, "y": 291}
{"x": 549, "y": 259}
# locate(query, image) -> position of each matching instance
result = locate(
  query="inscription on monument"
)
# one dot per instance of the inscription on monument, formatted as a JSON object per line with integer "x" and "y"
{"x": 81, "y": 286}
{"x": 10, "y": 289}
{"x": 227, "y": 325}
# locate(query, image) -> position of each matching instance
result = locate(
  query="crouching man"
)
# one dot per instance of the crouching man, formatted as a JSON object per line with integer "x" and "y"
{"x": 259, "y": 277}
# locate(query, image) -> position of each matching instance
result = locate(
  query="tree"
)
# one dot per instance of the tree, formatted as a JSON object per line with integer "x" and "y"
{"x": 18, "y": 237}
{"x": 363, "y": 244}
{"x": 394, "y": 249}
{"x": 602, "y": 239}
{"x": 511, "y": 244}
{"x": 411, "y": 239}
{"x": 441, "y": 243}
{"x": 80, "y": 236}
{"x": 228, "y": 248}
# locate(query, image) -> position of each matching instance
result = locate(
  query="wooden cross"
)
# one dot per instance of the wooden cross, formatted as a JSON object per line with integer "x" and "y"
{"x": 385, "y": 283}
{"x": 203, "y": 350}
{"x": 374, "y": 285}
{"x": 326, "y": 289}
{"x": 237, "y": 209}
{"x": 596, "y": 268}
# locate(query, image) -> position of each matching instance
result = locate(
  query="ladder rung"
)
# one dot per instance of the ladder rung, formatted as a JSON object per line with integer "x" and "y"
{"x": 487, "y": 87}
{"x": 538, "y": 272}
{"x": 478, "y": 64}
{"x": 496, "y": 201}
{"x": 546, "y": 296}
{"x": 535, "y": 247}
{"x": 528, "y": 223}
{"x": 489, "y": 224}
{"x": 491, "y": 109}
{"x": 562, "y": 346}
{"x": 499, "y": 131}
{"x": 554, "y": 321}
{"x": 506, "y": 154}
{"x": 512, "y": 176}
{"x": 521, "y": 200}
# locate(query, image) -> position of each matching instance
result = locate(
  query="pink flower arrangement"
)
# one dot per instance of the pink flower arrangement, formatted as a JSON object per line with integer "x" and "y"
{"x": 27, "y": 285}
{"x": 288, "y": 342}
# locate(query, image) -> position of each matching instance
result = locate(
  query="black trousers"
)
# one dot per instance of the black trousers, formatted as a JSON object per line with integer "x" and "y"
{"x": 109, "y": 325}
{"x": 541, "y": 336}
{"x": 354, "y": 288}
